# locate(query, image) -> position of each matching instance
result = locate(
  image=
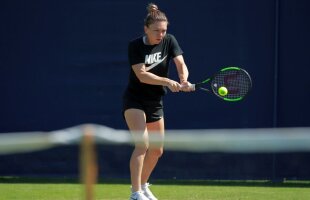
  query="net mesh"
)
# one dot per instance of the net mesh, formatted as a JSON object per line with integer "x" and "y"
{"x": 206, "y": 140}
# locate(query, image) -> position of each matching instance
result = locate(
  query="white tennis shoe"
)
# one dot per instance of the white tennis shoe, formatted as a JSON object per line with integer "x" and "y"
{"x": 147, "y": 192}
{"x": 138, "y": 196}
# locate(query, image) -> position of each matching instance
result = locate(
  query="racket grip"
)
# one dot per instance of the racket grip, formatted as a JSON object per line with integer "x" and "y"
{"x": 193, "y": 87}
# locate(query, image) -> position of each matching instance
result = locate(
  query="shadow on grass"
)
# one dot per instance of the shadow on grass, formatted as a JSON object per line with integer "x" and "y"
{"x": 245, "y": 183}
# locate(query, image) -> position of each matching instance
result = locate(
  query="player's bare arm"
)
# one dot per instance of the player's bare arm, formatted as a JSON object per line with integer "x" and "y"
{"x": 150, "y": 78}
{"x": 183, "y": 73}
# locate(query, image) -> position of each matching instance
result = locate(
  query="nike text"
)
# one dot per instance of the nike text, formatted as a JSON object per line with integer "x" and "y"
{"x": 152, "y": 58}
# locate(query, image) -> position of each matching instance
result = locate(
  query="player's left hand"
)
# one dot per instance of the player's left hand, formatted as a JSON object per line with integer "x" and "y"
{"x": 187, "y": 87}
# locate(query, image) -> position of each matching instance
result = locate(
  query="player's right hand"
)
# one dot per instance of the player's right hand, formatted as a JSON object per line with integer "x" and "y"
{"x": 174, "y": 86}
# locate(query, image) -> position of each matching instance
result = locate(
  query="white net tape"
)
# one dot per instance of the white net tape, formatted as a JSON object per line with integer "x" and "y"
{"x": 205, "y": 140}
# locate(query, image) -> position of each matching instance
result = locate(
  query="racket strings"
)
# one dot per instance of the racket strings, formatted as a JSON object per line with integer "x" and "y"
{"x": 237, "y": 82}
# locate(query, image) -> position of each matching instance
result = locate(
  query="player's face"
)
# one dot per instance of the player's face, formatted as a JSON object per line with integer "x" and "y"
{"x": 156, "y": 32}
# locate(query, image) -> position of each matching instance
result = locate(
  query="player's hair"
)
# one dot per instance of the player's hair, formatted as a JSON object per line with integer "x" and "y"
{"x": 154, "y": 15}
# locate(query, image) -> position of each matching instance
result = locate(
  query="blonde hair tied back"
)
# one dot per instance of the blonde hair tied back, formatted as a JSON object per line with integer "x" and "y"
{"x": 154, "y": 15}
{"x": 151, "y": 7}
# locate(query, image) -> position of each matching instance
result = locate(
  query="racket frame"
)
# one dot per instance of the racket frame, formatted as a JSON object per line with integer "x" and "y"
{"x": 201, "y": 84}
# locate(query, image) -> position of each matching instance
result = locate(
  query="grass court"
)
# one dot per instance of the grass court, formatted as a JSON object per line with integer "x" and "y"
{"x": 15, "y": 188}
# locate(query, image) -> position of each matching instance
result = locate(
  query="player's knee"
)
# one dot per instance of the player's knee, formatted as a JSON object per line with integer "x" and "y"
{"x": 141, "y": 148}
{"x": 158, "y": 152}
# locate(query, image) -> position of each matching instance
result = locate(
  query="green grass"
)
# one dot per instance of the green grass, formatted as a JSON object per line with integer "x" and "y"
{"x": 12, "y": 188}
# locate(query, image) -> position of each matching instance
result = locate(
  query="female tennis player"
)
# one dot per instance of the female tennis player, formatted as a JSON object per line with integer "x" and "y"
{"x": 149, "y": 57}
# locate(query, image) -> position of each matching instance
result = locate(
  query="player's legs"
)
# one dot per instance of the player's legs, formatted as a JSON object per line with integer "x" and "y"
{"x": 155, "y": 150}
{"x": 136, "y": 122}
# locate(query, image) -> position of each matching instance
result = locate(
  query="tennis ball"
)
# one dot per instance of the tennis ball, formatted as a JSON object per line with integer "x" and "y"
{"x": 222, "y": 91}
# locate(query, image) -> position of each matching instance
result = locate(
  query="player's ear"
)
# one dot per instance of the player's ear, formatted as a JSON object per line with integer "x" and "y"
{"x": 145, "y": 29}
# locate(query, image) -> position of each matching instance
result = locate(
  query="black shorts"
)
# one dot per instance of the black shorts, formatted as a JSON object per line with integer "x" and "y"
{"x": 153, "y": 109}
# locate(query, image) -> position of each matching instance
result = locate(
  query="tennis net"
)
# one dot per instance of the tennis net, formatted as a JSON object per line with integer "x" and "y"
{"x": 206, "y": 140}
{"x": 267, "y": 140}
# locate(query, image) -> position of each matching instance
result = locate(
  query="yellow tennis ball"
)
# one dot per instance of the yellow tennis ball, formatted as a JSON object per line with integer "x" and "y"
{"x": 223, "y": 91}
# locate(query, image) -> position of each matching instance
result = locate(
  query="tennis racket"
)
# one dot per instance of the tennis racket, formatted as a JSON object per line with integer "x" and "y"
{"x": 236, "y": 80}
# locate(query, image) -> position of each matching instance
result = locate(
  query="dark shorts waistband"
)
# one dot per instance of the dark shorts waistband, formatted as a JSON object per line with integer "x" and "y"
{"x": 153, "y": 109}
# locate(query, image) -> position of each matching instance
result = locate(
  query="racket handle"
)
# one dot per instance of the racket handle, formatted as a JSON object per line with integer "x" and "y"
{"x": 193, "y": 86}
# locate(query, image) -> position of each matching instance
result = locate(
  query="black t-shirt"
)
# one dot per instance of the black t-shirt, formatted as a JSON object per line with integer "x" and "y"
{"x": 156, "y": 59}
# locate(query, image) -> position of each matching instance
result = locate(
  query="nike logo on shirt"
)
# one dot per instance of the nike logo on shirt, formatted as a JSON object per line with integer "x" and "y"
{"x": 155, "y": 59}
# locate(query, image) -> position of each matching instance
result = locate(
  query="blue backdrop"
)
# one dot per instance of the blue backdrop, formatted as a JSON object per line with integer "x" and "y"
{"x": 64, "y": 63}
